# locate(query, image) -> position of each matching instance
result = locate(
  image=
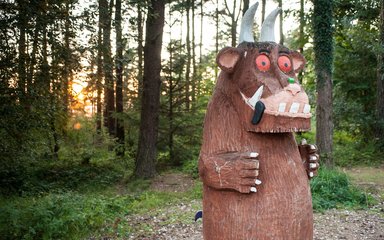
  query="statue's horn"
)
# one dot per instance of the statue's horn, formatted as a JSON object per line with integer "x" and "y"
{"x": 246, "y": 33}
{"x": 267, "y": 33}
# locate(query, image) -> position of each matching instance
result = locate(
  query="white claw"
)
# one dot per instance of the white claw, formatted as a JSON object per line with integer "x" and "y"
{"x": 294, "y": 107}
{"x": 311, "y": 174}
{"x": 253, "y": 155}
{"x": 313, "y": 147}
{"x": 253, "y": 189}
{"x": 258, "y": 182}
{"x": 303, "y": 141}
{"x": 245, "y": 54}
{"x": 282, "y": 107}
{"x": 312, "y": 165}
{"x": 313, "y": 158}
{"x": 307, "y": 108}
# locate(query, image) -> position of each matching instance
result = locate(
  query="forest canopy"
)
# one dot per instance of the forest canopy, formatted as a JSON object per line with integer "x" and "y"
{"x": 73, "y": 80}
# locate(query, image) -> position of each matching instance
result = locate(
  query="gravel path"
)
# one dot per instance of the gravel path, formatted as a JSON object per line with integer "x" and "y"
{"x": 175, "y": 222}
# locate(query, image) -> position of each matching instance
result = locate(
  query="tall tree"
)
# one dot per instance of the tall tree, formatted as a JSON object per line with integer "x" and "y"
{"x": 234, "y": 15}
{"x": 246, "y": 6}
{"x": 22, "y": 24}
{"x": 262, "y": 11}
{"x": 99, "y": 72}
{"x": 119, "y": 79}
{"x": 380, "y": 80}
{"x": 147, "y": 151}
{"x": 301, "y": 34}
{"x": 188, "y": 65}
{"x": 281, "y": 23}
{"x": 109, "y": 92}
{"x": 140, "y": 46}
{"x": 323, "y": 48}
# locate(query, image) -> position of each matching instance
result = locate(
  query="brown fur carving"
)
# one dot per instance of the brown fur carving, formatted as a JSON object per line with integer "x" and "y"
{"x": 255, "y": 175}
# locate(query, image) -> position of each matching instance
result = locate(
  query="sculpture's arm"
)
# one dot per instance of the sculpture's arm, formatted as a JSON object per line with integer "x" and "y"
{"x": 309, "y": 157}
{"x": 233, "y": 171}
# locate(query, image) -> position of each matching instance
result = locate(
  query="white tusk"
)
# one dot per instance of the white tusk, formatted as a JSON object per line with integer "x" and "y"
{"x": 256, "y": 97}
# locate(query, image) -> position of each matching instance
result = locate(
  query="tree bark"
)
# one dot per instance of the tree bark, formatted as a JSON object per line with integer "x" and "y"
{"x": 108, "y": 67}
{"x": 140, "y": 48}
{"x": 323, "y": 47}
{"x": 281, "y": 23}
{"x": 99, "y": 73}
{"x": 380, "y": 81}
{"x": 119, "y": 80}
{"x": 188, "y": 66}
{"x": 301, "y": 35}
{"x": 147, "y": 151}
{"x": 262, "y": 11}
{"x": 22, "y": 24}
{"x": 246, "y": 6}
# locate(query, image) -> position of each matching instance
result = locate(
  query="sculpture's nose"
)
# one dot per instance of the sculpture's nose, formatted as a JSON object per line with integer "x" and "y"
{"x": 293, "y": 88}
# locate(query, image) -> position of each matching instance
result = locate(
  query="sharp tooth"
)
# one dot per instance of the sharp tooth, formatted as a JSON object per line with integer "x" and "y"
{"x": 307, "y": 108}
{"x": 256, "y": 97}
{"x": 282, "y": 107}
{"x": 294, "y": 107}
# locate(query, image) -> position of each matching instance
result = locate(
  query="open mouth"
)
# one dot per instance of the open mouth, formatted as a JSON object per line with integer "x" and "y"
{"x": 283, "y": 104}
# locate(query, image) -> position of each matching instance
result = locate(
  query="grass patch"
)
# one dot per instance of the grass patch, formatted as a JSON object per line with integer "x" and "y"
{"x": 333, "y": 189}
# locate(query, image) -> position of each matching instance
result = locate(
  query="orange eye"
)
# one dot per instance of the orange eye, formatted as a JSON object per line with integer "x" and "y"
{"x": 263, "y": 63}
{"x": 284, "y": 63}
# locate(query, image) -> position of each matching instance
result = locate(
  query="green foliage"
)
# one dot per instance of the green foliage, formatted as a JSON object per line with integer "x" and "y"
{"x": 350, "y": 150}
{"x": 333, "y": 189}
{"x": 59, "y": 216}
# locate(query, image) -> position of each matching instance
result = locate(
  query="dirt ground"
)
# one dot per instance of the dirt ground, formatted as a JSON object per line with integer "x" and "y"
{"x": 176, "y": 221}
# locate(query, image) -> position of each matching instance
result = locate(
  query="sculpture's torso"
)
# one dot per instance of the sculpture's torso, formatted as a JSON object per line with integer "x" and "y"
{"x": 280, "y": 209}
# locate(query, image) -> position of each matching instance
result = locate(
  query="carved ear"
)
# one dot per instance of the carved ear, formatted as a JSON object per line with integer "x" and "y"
{"x": 228, "y": 58}
{"x": 298, "y": 61}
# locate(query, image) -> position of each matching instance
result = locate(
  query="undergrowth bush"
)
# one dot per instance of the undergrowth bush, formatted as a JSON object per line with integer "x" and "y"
{"x": 333, "y": 189}
{"x": 60, "y": 216}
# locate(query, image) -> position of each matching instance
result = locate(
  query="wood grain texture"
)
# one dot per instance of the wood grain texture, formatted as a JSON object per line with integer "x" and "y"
{"x": 282, "y": 207}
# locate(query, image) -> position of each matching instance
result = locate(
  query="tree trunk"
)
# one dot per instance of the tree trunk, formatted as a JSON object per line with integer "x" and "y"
{"x": 281, "y": 23}
{"x": 194, "y": 68}
{"x": 67, "y": 60}
{"x": 380, "y": 82}
{"x": 99, "y": 73}
{"x": 22, "y": 24}
{"x": 108, "y": 68}
{"x": 323, "y": 48}
{"x": 119, "y": 80}
{"x": 188, "y": 66}
{"x": 217, "y": 34}
{"x": 262, "y": 11}
{"x": 200, "y": 48}
{"x": 140, "y": 49}
{"x": 301, "y": 35}
{"x": 246, "y": 6}
{"x": 147, "y": 152}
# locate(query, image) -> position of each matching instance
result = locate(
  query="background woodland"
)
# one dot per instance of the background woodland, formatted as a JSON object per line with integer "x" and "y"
{"x": 101, "y": 93}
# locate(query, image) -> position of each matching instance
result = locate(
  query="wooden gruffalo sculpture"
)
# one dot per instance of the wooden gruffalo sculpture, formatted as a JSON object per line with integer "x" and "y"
{"x": 256, "y": 177}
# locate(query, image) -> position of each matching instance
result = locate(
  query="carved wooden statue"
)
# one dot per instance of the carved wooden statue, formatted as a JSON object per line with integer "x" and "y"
{"x": 255, "y": 175}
